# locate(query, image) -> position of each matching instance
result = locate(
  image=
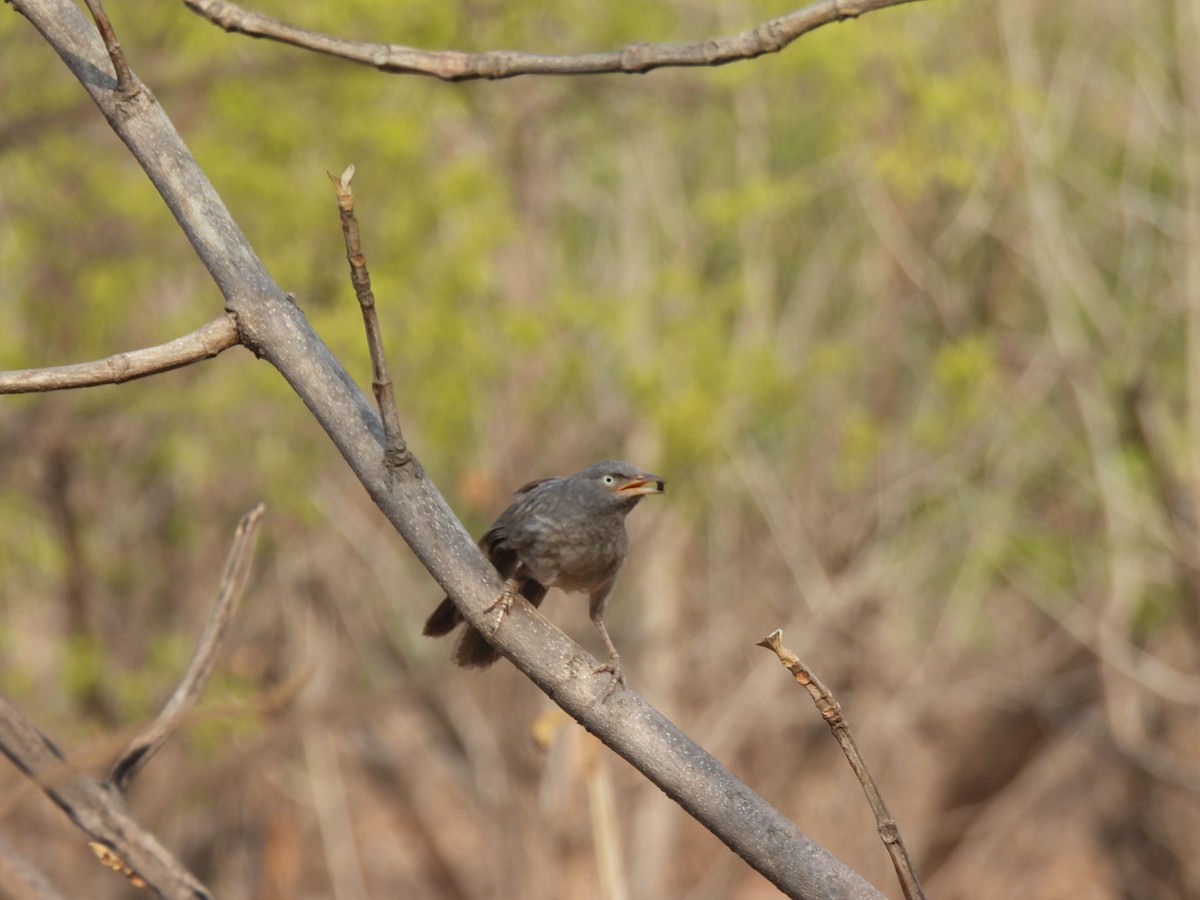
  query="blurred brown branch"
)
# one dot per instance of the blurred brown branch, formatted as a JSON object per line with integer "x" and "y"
{"x": 454, "y": 65}
{"x": 96, "y": 809}
{"x": 229, "y": 592}
{"x": 831, "y": 712}
{"x": 204, "y": 343}
{"x": 119, "y": 842}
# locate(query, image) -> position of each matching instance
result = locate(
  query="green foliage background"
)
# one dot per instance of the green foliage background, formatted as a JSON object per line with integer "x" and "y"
{"x": 906, "y": 314}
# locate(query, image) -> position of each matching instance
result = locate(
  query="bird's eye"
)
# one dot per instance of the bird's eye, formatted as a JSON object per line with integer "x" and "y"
{"x": 609, "y": 479}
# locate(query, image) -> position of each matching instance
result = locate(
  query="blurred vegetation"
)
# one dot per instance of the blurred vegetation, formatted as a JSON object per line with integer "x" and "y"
{"x": 907, "y": 315}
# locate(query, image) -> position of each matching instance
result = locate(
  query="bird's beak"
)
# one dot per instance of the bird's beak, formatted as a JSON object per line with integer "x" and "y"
{"x": 643, "y": 484}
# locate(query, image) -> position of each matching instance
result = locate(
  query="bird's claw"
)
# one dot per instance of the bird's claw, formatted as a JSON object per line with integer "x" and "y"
{"x": 502, "y": 604}
{"x": 618, "y": 676}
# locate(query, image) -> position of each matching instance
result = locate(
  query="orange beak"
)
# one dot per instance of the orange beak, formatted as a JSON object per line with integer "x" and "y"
{"x": 643, "y": 484}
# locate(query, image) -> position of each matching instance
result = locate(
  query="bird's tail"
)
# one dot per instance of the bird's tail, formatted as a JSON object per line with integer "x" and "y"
{"x": 473, "y": 651}
{"x": 442, "y": 620}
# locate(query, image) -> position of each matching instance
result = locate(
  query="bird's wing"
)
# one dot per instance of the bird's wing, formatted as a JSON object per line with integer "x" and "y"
{"x": 496, "y": 548}
{"x": 526, "y": 488}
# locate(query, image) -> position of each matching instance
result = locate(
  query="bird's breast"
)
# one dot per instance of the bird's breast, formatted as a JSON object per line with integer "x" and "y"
{"x": 573, "y": 556}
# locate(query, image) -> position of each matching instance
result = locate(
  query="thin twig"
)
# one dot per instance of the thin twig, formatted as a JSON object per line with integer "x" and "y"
{"x": 237, "y": 568}
{"x": 203, "y": 343}
{"x": 127, "y": 83}
{"x": 455, "y": 65}
{"x": 395, "y": 452}
{"x": 831, "y": 712}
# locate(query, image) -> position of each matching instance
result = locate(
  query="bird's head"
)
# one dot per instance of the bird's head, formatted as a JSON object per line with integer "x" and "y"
{"x": 620, "y": 481}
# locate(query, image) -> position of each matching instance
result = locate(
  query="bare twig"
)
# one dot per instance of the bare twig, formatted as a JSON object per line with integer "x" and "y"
{"x": 395, "y": 452}
{"x": 455, "y": 65}
{"x": 95, "y": 809}
{"x": 203, "y": 343}
{"x": 831, "y": 712}
{"x": 127, "y": 83}
{"x": 233, "y": 581}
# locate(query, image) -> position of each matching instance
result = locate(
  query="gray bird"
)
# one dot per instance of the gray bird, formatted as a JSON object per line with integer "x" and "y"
{"x": 567, "y": 533}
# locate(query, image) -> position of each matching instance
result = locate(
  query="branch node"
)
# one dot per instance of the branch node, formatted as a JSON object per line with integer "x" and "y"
{"x": 397, "y": 457}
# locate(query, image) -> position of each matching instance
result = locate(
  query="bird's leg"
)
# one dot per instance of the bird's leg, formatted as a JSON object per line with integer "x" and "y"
{"x": 614, "y": 660}
{"x": 504, "y": 602}
{"x": 596, "y": 602}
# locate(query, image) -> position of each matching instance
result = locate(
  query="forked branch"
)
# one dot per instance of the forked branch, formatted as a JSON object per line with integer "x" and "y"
{"x": 98, "y": 808}
{"x": 195, "y": 679}
{"x": 95, "y": 809}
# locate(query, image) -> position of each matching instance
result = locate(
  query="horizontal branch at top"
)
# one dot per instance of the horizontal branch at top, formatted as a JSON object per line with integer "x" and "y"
{"x": 456, "y": 65}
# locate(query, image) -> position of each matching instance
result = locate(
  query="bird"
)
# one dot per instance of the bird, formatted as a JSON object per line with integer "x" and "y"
{"x": 562, "y": 532}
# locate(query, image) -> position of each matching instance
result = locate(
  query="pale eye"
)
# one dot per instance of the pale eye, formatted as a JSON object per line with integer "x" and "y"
{"x": 609, "y": 479}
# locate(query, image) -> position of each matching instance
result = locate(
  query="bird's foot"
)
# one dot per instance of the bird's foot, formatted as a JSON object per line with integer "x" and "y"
{"x": 501, "y": 605}
{"x": 618, "y": 676}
